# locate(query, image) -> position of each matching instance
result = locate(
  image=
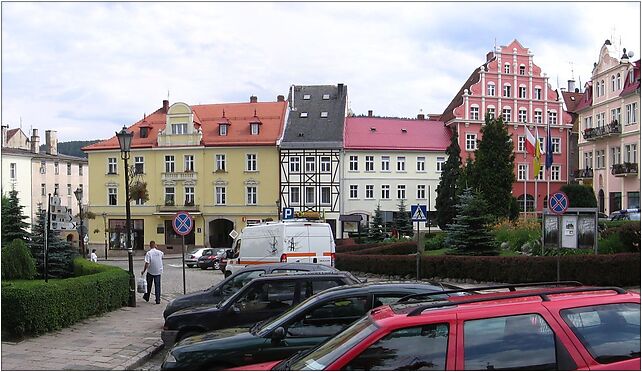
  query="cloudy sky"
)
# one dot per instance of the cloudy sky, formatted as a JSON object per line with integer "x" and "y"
{"x": 85, "y": 69}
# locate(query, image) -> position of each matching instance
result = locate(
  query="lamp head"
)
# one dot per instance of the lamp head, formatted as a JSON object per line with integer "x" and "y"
{"x": 78, "y": 194}
{"x": 125, "y": 139}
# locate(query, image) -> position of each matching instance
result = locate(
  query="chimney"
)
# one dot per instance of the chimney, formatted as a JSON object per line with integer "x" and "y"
{"x": 165, "y": 106}
{"x": 421, "y": 116}
{"x": 571, "y": 85}
{"x": 51, "y": 142}
{"x": 340, "y": 89}
{"x": 4, "y": 135}
{"x": 253, "y": 99}
{"x": 370, "y": 113}
{"x": 35, "y": 142}
{"x": 280, "y": 98}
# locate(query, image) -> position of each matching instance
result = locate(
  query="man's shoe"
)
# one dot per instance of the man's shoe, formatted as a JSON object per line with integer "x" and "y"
{"x": 146, "y": 298}
{"x": 157, "y": 302}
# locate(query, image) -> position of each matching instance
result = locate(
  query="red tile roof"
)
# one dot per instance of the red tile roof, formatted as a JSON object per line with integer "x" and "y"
{"x": 207, "y": 118}
{"x": 12, "y": 132}
{"x": 632, "y": 87}
{"x": 388, "y": 134}
{"x": 587, "y": 98}
{"x": 571, "y": 99}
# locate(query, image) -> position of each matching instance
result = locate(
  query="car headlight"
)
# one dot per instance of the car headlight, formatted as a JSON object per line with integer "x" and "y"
{"x": 169, "y": 358}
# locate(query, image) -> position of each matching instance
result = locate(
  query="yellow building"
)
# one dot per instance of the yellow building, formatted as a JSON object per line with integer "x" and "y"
{"x": 219, "y": 162}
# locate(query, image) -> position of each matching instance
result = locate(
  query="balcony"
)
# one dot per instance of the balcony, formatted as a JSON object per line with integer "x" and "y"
{"x": 584, "y": 173}
{"x": 170, "y": 206}
{"x": 178, "y": 176}
{"x": 624, "y": 169}
{"x": 591, "y": 134}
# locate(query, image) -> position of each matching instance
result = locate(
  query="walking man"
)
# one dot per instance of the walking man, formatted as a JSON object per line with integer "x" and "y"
{"x": 154, "y": 268}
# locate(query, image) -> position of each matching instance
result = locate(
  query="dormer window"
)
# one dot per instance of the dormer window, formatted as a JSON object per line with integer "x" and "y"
{"x": 144, "y": 132}
{"x": 306, "y": 96}
{"x": 326, "y": 96}
{"x": 304, "y": 115}
{"x": 222, "y": 129}
{"x": 254, "y": 128}
{"x": 180, "y": 128}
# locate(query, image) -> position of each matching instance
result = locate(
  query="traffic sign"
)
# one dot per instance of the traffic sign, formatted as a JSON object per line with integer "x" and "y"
{"x": 182, "y": 223}
{"x": 233, "y": 234}
{"x": 558, "y": 202}
{"x": 418, "y": 212}
{"x": 57, "y": 226}
{"x": 288, "y": 213}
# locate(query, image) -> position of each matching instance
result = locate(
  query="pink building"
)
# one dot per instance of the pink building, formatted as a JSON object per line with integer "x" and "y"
{"x": 511, "y": 85}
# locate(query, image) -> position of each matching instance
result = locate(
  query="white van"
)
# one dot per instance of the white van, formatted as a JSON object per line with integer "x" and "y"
{"x": 283, "y": 241}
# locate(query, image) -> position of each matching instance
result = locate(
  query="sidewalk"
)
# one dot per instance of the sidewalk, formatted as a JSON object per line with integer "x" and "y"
{"x": 119, "y": 340}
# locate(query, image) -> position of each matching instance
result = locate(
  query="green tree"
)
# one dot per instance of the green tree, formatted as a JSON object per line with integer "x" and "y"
{"x": 447, "y": 188}
{"x": 17, "y": 262}
{"x": 493, "y": 171}
{"x": 61, "y": 254}
{"x": 580, "y": 196}
{"x": 13, "y": 224}
{"x": 466, "y": 176}
{"x": 402, "y": 221}
{"x": 376, "y": 229}
{"x": 470, "y": 234}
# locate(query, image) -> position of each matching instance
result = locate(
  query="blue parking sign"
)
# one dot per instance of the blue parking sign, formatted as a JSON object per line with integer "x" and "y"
{"x": 288, "y": 213}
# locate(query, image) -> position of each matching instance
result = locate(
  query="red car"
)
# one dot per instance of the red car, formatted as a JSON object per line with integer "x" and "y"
{"x": 569, "y": 328}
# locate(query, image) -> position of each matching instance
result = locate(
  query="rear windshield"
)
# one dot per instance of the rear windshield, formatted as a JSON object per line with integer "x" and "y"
{"x": 611, "y": 333}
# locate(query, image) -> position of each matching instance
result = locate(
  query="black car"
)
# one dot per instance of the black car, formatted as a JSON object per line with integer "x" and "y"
{"x": 211, "y": 260}
{"x": 260, "y": 299}
{"x": 231, "y": 284}
{"x": 303, "y": 326}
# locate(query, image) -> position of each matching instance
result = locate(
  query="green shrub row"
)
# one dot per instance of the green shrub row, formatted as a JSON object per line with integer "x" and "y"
{"x": 389, "y": 249}
{"x": 33, "y": 307}
{"x": 356, "y": 247}
{"x": 617, "y": 269}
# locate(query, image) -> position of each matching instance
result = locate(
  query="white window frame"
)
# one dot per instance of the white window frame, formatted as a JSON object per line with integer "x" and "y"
{"x": 555, "y": 172}
{"x": 522, "y": 91}
{"x": 354, "y": 163}
{"x": 326, "y": 195}
{"x": 222, "y": 129}
{"x": 353, "y": 192}
{"x": 169, "y": 164}
{"x": 220, "y": 162}
{"x": 369, "y": 191}
{"x": 421, "y": 164}
{"x": 310, "y": 199}
{"x": 310, "y": 164}
{"x": 401, "y": 192}
{"x": 441, "y": 160}
{"x": 69, "y": 169}
{"x": 295, "y": 197}
{"x": 112, "y": 191}
{"x": 616, "y": 155}
{"x": 254, "y": 129}
{"x": 471, "y": 139}
{"x": 251, "y": 195}
{"x": 506, "y": 91}
{"x": 521, "y": 143}
{"x": 491, "y": 89}
{"x": 326, "y": 164}
{"x": 369, "y": 161}
{"x": 507, "y": 68}
{"x": 220, "y": 195}
{"x": 507, "y": 114}
{"x": 522, "y": 172}
{"x": 474, "y": 112}
{"x": 385, "y": 192}
{"x": 112, "y": 166}
{"x": 172, "y": 193}
{"x": 556, "y": 143}
{"x": 13, "y": 171}
{"x": 56, "y": 168}
{"x": 600, "y": 159}
{"x": 179, "y": 128}
{"x": 538, "y": 93}
{"x": 295, "y": 164}
{"x": 421, "y": 192}
{"x": 588, "y": 159}
{"x": 189, "y": 194}
{"x": 139, "y": 165}
{"x": 491, "y": 112}
{"x": 401, "y": 163}
{"x": 188, "y": 163}
{"x": 552, "y": 117}
{"x": 251, "y": 162}
{"x": 631, "y": 113}
{"x": 523, "y": 115}
{"x": 538, "y": 116}
{"x": 385, "y": 163}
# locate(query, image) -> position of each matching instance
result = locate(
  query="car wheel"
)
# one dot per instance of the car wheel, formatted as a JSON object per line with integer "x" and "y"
{"x": 217, "y": 265}
{"x": 203, "y": 267}
{"x": 190, "y": 265}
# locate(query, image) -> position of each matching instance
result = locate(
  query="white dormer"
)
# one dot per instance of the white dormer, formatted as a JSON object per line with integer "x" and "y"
{"x": 179, "y": 127}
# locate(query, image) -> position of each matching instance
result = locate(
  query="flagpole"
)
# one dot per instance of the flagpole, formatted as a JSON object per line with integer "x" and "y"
{"x": 539, "y": 145}
{"x": 549, "y": 148}
{"x": 526, "y": 173}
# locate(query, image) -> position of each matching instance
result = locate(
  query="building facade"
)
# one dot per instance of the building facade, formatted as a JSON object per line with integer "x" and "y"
{"x": 219, "y": 162}
{"x": 310, "y": 151}
{"x": 511, "y": 85}
{"x": 388, "y": 160}
{"x": 572, "y": 98}
{"x": 610, "y": 125}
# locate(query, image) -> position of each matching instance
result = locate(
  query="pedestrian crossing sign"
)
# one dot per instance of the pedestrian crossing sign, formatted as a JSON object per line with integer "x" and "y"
{"x": 418, "y": 212}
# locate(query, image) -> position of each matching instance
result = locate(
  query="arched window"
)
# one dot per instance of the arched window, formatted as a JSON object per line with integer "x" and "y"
{"x": 491, "y": 89}
{"x": 612, "y": 83}
{"x": 618, "y": 82}
{"x": 602, "y": 87}
{"x": 530, "y": 203}
{"x": 507, "y": 68}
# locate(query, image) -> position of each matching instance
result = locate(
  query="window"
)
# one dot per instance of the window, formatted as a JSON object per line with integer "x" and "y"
{"x": 538, "y": 93}
{"x": 401, "y": 191}
{"x": 354, "y": 191}
{"x": 250, "y": 162}
{"x": 600, "y": 119}
{"x": 56, "y": 188}
{"x": 189, "y": 163}
{"x": 440, "y": 163}
{"x": 615, "y": 201}
{"x": 325, "y": 164}
{"x": 295, "y": 164}
{"x": 189, "y": 195}
{"x": 69, "y": 191}
{"x": 421, "y": 163}
{"x": 369, "y": 163}
{"x": 180, "y": 128}
{"x": 522, "y": 92}
{"x": 169, "y": 163}
{"x": 522, "y": 172}
{"x": 552, "y": 117}
{"x": 618, "y": 82}
{"x": 631, "y": 153}
{"x": 507, "y": 90}
{"x": 405, "y": 349}
{"x": 250, "y": 195}
{"x": 609, "y": 332}
{"x": 43, "y": 189}
{"x": 309, "y": 195}
{"x": 474, "y": 113}
{"x": 556, "y": 143}
{"x": 602, "y": 90}
{"x": 401, "y": 163}
{"x": 221, "y": 195}
{"x": 588, "y": 122}
{"x": 354, "y": 163}
{"x": 507, "y": 68}
{"x": 306, "y": 96}
{"x": 631, "y": 113}
{"x": 69, "y": 169}
{"x": 615, "y": 114}
{"x": 538, "y": 117}
{"x": 170, "y": 195}
{"x": 385, "y": 191}
{"x": 12, "y": 171}
{"x": 303, "y": 115}
{"x": 421, "y": 191}
{"x": 220, "y": 162}
{"x": 56, "y": 168}
{"x": 520, "y": 143}
{"x": 139, "y": 165}
{"x": 112, "y": 195}
{"x": 633, "y": 199}
{"x": 555, "y": 173}
{"x": 588, "y": 160}
{"x": 522, "y": 70}
{"x": 222, "y": 129}
{"x": 369, "y": 191}
{"x": 254, "y": 129}
{"x": 43, "y": 167}
{"x": 326, "y": 96}
{"x": 385, "y": 163}
{"x": 80, "y": 166}
{"x": 613, "y": 83}
{"x": 491, "y": 112}
{"x": 506, "y": 115}
{"x": 310, "y": 164}
{"x": 522, "y": 115}
{"x": 616, "y": 156}
{"x": 325, "y": 195}
{"x": 324, "y": 114}
{"x": 493, "y": 343}
{"x": 471, "y": 141}
{"x": 599, "y": 159}
{"x": 295, "y": 195}
{"x": 111, "y": 165}
{"x": 491, "y": 89}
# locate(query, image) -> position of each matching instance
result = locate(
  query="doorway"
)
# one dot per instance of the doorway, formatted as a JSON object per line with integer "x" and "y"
{"x": 600, "y": 197}
{"x": 220, "y": 229}
{"x": 173, "y": 240}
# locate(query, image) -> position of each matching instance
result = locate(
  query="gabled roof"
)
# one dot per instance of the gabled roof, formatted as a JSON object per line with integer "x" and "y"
{"x": 449, "y": 112}
{"x": 632, "y": 87}
{"x": 12, "y": 132}
{"x": 371, "y": 133}
{"x": 571, "y": 100}
{"x": 587, "y": 98}
{"x": 315, "y": 131}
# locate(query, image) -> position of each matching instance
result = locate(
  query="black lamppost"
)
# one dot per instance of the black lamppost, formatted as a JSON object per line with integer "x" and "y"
{"x": 81, "y": 232}
{"x": 125, "y": 142}
{"x": 105, "y": 227}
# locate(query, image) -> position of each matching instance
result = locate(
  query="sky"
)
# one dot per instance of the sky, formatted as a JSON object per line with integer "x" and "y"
{"x": 86, "y": 69}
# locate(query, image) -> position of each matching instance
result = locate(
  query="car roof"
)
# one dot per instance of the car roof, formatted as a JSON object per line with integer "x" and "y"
{"x": 302, "y": 274}
{"x": 289, "y": 266}
{"x": 383, "y": 287}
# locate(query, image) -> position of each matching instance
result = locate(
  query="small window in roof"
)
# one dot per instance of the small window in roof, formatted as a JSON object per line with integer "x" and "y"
{"x": 324, "y": 114}
{"x": 326, "y": 96}
{"x": 304, "y": 115}
{"x": 306, "y": 96}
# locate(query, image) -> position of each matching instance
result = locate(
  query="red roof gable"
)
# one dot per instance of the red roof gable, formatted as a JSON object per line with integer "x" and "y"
{"x": 571, "y": 99}
{"x": 632, "y": 87}
{"x": 369, "y": 133}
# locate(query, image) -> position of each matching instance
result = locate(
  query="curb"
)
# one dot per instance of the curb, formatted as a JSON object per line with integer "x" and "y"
{"x": 143, "y": 356}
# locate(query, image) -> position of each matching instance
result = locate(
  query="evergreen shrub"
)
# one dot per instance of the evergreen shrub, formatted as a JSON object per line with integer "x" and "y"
{"x": 630, "y": 236}
{"x": 435, "y": 242}
{"x": 400, "y": 248}
{"x": 17, "y": 262}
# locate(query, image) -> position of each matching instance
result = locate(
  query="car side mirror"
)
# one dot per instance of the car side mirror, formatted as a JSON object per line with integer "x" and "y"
{"x": 278, "y": 334}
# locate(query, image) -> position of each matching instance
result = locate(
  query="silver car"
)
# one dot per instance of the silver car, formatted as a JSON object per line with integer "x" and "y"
{"x": 192, "y": 257}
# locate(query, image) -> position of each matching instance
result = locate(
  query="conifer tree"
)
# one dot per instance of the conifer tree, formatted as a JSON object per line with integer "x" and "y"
{"x": 447, "y": 188}
{"x": 402, "y": 221}
{"x": 376, "y": 229}
{"x": 61, "y": 254}
{"x": 467, "y": 176}
{"x": 470, "y": 234}
{"x": 493, "y": 170}
{"x": 13, "y": 221}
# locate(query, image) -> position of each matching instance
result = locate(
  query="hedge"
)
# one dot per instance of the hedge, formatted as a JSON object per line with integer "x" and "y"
{"x": 33, "y": 307}
{"x": 356, "y": 247}
{"x": 617, "y": 269}
{"x": 390, "y": 249}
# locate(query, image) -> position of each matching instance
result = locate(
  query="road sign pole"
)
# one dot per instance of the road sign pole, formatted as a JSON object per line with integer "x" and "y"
{"x": 417, "y": 250}
{"x": 183, "y": 250}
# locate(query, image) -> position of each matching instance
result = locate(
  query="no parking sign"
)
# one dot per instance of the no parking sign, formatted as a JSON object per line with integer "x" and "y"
{"x": 182, "y": 223}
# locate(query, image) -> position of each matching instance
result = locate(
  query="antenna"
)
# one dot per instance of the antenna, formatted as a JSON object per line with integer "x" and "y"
{"x": 168, "y": 94}
{"x": 572, "y": 74}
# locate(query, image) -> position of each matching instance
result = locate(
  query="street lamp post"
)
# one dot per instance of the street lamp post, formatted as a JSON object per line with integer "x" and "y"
{"x": 125, "y": 142}
{"x": 81, "y": 234}
{"x": 105, "y": 227}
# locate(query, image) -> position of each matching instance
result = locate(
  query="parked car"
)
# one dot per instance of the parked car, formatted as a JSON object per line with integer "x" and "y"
{"x": 542, "y": 329}
{"x": 303, "y": 326}
{"x": 227, "y": 254}
{"x": 211, "y": 260}
{"x": 631, "y": 214}
{"x": 224, "y": 289}
{"x": 191, "y": 258}
{"x": 260, "y": 299}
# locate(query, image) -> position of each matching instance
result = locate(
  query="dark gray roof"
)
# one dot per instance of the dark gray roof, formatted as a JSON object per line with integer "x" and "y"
{"x": 315, "y": 131}
{"x": 42, "y": 155}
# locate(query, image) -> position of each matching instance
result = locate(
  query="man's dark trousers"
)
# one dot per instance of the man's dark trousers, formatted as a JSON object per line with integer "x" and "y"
{"x": 157, "y": 287}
